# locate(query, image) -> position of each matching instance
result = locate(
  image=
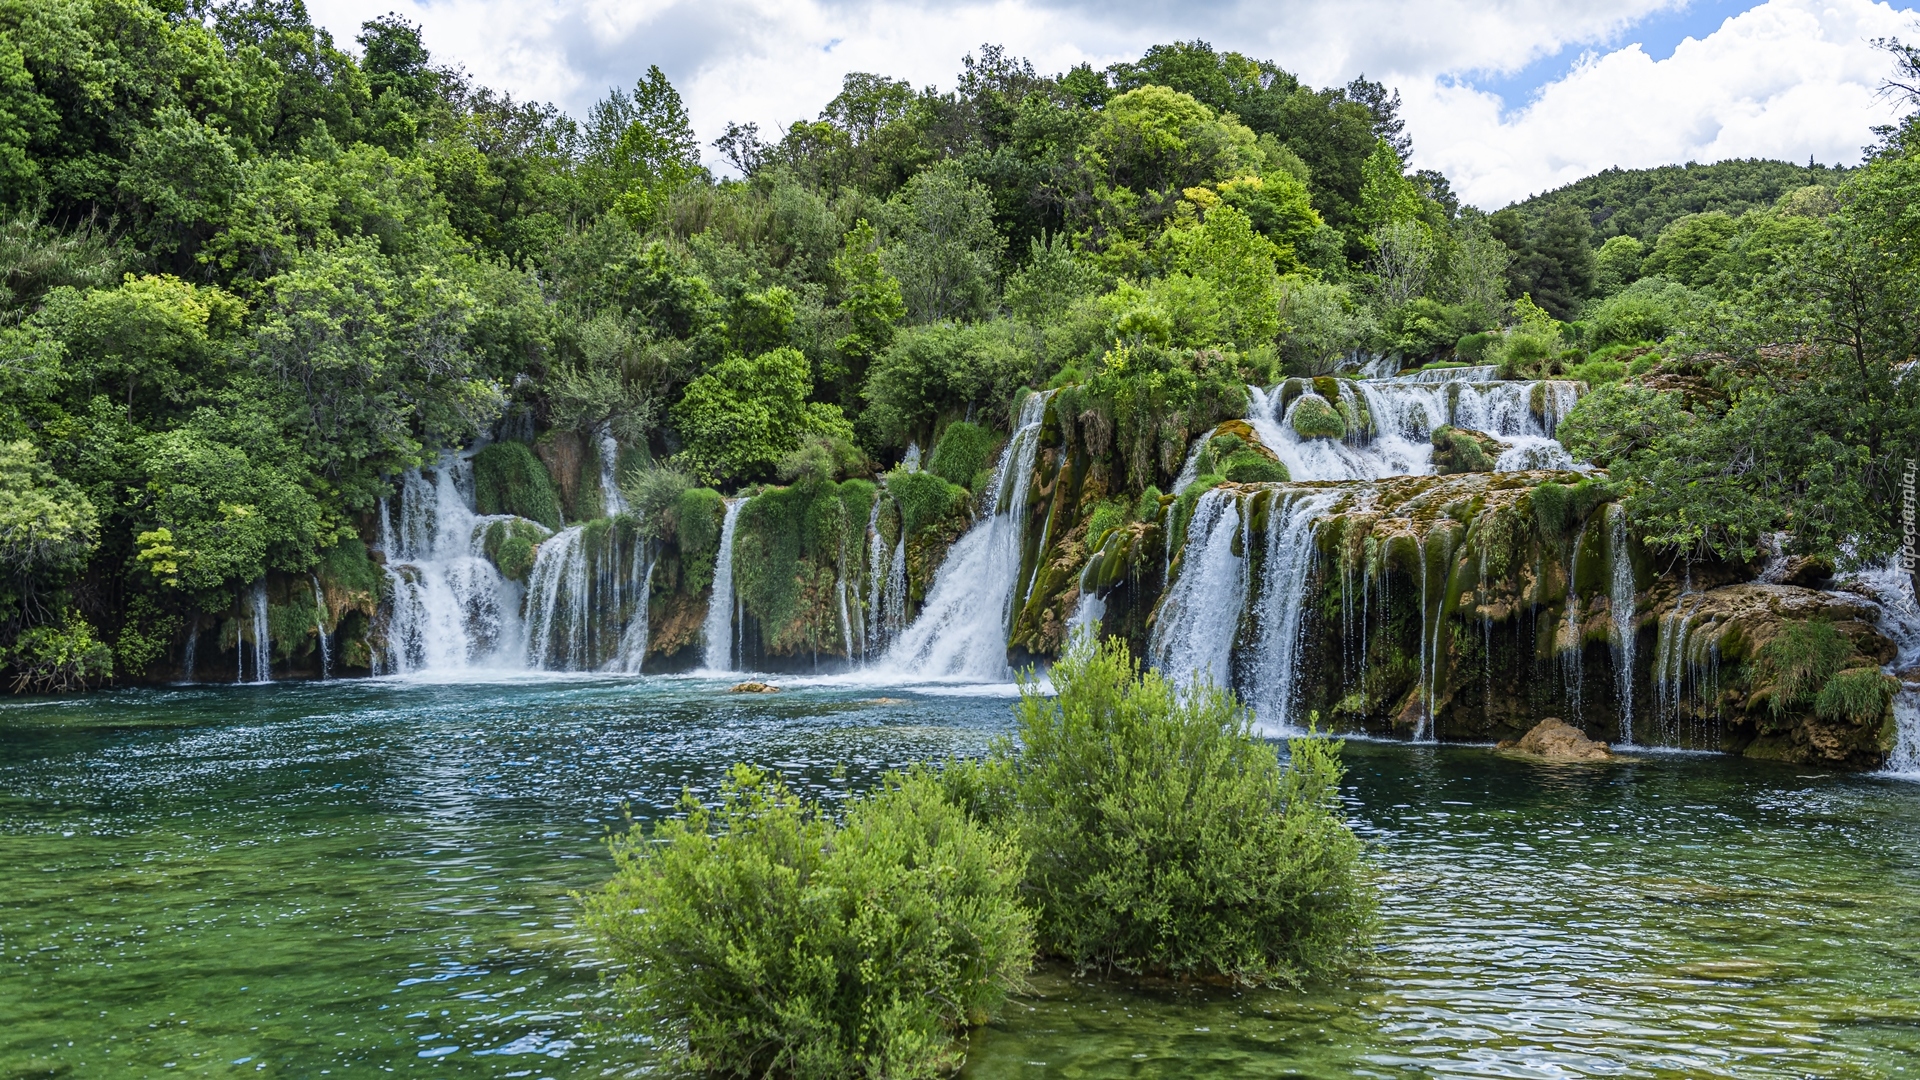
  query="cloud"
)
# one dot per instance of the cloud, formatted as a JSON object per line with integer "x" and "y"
{"x": 1789, "y": 78}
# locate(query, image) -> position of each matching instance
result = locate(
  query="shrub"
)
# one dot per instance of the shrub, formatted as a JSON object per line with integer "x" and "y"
{"x": 1313, "y": 418}
{"x": 1165, "y": 837}
{"x": 1253, "y": 467}
{"x": 760, "y": 939}
{"x": 964, "y": 451}
{"x": 510, "y": 545}
{"x": 1557, "y": 508}
{"x": 1799, "y": 661}
{"x": 1107, "y": 514}
{"x": 923, "y": 498}
{"x": 1858, "y": 695}
{"x": 653, "y": 493}
{"x": 508, "y": 479}
{"x": 58, "y": 658}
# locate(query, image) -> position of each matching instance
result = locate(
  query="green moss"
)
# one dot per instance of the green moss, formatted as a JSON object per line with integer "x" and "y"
{"x": 923, "y": 498}
{"x": 964, "y": 450}
{"x": 508, "y": 479}
{"x": 1107, "y": 514}
{"x": 1313, "y": 418}
{"x": 697, "y": 516}
{"x": 347, "y": 567}
{"x": 1458, "y": 451}
{"x": 510, "y": 545}
{"x": 1225, "y": 446}
{"x": 1253, "y": 467}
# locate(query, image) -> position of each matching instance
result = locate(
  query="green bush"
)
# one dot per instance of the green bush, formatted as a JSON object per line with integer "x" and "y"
{"x": 697, "y": 515}
{"x": 58, "y": 658}
{"x": 1800, "y": 661}
{"x": 1472, "y": 348}
{"x": 510, "y": 544}
{"x": 1857, "y": 695}
{"x": 762, "y": 940}
{"x": 508, "y": 479}
{"x": 1107, "y": 514}
{"x": 1222, "y": 447}
{"x": 654, "y": 493}
{"x": 1597, "y": 372}
{"x": 1253, "y": 467}
{"x": 1313, "y": 418}
{"x": 923, "y": 498}
{"x": 1558, "y": 508}
{"x": 1165, "y": 837}
{"x": 964, "y": 451}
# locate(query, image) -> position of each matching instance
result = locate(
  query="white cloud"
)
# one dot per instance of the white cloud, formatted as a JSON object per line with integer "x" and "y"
{"x": 1789, "y": 78}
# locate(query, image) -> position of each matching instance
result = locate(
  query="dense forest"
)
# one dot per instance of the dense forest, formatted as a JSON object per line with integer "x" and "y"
{"x": 253, "y": 274}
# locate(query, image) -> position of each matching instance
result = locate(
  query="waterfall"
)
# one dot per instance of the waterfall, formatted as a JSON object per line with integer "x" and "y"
{"x": 558, "y": 603}
{"x": 962, "y": 628}
{"x": 910, "y": 461}
{"x": 320, "y": 628}
{"x": 1390, "y": 453}
{"x": 1283, "y": 604}
{"x": 260, "y": 645}
{"x": 1573, "y": 659}
{"x": 1891, "y": 588}
{"x": 613, "y": 500}
{"x": 1670, "y": 658}
{"x": 719, "y": 624}
{"x": 193, "y": 645}
{"x": 846, "y": 622}
{"x": 873, "y": 634}
{"x": 633, "y": 639}
{"x": 450, "y": 606}
{"x": 1621, "y": 602}
{"x": 1193, "y": 635}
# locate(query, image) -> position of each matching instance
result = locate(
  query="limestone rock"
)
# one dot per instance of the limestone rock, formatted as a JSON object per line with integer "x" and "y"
{"x": 1557, "y": 740}
{"x": 1462, "y": 450}
{"x": 753, "y": 688}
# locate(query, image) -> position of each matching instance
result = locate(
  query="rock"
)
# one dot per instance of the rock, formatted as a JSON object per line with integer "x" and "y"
{"x": 1557, "y": 740}
{"x": 1314, "y": 418}
{"x": 753, "y": 688}
{"x": 1462, "y": 450}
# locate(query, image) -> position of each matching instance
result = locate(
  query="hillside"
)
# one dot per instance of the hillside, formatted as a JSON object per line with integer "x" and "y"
{"x": 1641, "y": 202}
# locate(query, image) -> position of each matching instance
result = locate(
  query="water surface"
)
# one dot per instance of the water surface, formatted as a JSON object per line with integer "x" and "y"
{"x": 374, "y": 877}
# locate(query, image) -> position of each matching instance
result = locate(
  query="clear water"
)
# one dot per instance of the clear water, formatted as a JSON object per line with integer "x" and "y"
{"x": 372, "y": 877}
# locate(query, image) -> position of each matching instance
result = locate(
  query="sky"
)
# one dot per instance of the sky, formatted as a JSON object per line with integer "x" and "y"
{"x": 1507, "y": 97}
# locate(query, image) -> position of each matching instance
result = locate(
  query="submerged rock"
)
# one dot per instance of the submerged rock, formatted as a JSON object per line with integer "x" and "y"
{"x": 1557, "y": 740}
{"x": 753, "y": 688}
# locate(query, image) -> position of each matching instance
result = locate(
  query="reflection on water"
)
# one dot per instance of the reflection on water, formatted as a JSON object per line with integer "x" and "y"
{"x": 375, "y": 876}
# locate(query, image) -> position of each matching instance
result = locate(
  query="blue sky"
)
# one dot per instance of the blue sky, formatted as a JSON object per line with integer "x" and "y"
{"x": 1508, "y": 97}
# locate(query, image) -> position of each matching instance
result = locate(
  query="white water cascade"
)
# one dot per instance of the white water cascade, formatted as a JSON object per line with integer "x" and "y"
{"x": 1621, "y": 603}
{"x": 1193, "y": 637}
{"x": 258, "y": 647}
{"x": 451, "y": 607}
{"x": 633, "y": 640}
{"x": 1402, "y": 413}
{"x": 962, "y": 629}
{"x": 320, "y": 628}
{"x": 1891, "y": 588}
{"x": 719, "y": 624}
{"x": 1283, "y": 605}
{"x": 613, "y": 500}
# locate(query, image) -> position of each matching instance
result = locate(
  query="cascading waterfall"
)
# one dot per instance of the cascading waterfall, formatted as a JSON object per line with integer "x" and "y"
{"x": 613, "y": 500}
{"x": 558, "y": 603}
{"x": 450, "y": 607}
{"x": 259, "y": 646}
{"x": 1193, "y": 637}
{"x": 320, "y": 628}
{"x": 1670, "y": 660}
{"x": 1891, "y": 588}
{"x": 874, "y": 630}
{"x": 962, "y": 628}
{"x": 1621, "y": 603}
{"x": 1283, "y": 604}
{"x": 719, "y": 624}
{"x": 633, "y": 640}
{"x": 1573, "y": 658}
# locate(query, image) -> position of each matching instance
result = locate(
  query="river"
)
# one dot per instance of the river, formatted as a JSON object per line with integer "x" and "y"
{"x": 363, "y": 877}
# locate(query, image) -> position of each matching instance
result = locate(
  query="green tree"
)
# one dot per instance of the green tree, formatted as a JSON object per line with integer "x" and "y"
{"x": 943, "y": 246}
{"x": 744, "y": 415}
{"x": 871, "y": 302}
{"x": 642, "y": 146}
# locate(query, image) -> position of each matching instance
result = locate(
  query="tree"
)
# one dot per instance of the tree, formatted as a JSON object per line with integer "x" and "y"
{"x": 745, "y": 414}
{"x": 1552, "y": 258}
{"x": 943, "y": 247}
{"x": 643, "y": 146}
{"x": 871, "y": 302}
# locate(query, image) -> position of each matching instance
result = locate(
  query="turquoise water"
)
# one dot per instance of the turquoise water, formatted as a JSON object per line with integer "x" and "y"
{"x": 364, "y": 878}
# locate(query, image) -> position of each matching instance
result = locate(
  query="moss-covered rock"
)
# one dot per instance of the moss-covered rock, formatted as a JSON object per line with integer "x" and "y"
{"x": 1250, "y": 466}
{"x": 1461, "y": 450}
{"x": 964, "y": 452}
{"x": 510, "y": 545}
{"x": 1314, "y": 418}
{"x": 509, "y": 479}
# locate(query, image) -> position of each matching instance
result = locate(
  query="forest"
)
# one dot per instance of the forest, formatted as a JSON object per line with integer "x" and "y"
{"x": 252, "y": 275}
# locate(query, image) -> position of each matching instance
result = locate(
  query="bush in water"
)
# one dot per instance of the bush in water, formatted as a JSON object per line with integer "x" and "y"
{"x": 1164, "y": 837}
{"x": 761, "y": 939}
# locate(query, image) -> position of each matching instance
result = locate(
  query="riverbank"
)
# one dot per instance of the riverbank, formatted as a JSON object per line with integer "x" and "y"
{"x": 375, "y": 874}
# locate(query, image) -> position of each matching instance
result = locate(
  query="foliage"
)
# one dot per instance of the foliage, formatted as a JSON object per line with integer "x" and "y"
{"x": 746, "y": 414}
{"x": 57, "y": 658}
{"x": 1314, "y": 418}
{"x": 760, "y": 938}
{"x": 964, "y": 449}
{"x": 940, "y": 370}
{"x": 1252, "y": 467}
{"x": 1165, "y": 837}
{"x": 1858, "y": 695}
{"x": 508, "y": 479}
{"x": 924, "y": 499}
{"x": 1321, "y": 324}
{"x": 1798, "y": 664}
{"x": 1639, "y": 203}
{"x": 945, "y": 251}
